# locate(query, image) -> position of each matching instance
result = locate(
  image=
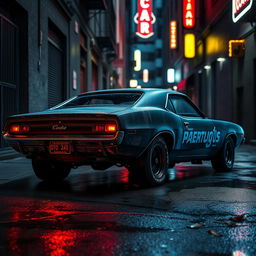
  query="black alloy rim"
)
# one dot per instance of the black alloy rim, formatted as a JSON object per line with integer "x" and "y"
{"x": 229, "y": 154}
{"x": 157, "y": 162}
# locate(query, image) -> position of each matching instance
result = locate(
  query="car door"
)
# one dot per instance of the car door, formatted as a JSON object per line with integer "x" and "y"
{"x": 198, "y": 133}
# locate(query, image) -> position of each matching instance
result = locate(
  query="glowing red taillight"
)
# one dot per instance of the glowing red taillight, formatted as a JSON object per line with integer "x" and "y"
{"x": 106, "y": 128}
{"x": 25, "y": 128}
{"x": 100, "y": 128}
{"x": 110, "y": 128}
{"x": 18, "y": 129}
{"x": 15, "y": 129}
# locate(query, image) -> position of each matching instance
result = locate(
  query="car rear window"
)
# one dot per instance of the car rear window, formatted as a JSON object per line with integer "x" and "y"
{"x": 104, "y": 99}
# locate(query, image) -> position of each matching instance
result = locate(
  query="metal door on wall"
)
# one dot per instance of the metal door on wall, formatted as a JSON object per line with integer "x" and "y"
{"x": 55, "y": 75}
{"x": 55, "y": 68}
{"x": 8, "y": 71}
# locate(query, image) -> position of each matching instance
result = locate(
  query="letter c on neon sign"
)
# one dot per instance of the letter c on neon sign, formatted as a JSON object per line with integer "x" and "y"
{"x": 143, "y": 4}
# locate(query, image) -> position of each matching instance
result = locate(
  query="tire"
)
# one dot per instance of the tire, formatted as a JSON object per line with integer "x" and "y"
{"x": 224, "y": 160}
{"x": 151, "y": 168}
{"x": 50, "y": 171}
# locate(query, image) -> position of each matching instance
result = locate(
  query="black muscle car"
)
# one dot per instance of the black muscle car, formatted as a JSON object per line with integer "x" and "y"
{"x": 146, "y": 130}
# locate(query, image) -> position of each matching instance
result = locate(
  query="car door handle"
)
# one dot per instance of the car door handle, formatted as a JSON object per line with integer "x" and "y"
{"x": 186, "y": 124}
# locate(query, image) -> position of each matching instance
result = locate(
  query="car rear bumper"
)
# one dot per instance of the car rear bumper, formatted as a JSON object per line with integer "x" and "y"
{"x": 123, "y": 147}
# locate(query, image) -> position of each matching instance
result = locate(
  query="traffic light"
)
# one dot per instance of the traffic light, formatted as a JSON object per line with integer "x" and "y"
{"x": 236, "y": 48}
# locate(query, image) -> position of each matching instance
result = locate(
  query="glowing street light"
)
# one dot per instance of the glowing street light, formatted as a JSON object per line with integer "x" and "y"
{"x": 137, "y": 59}
{"x": 207, "y": 67}
{"x": 220, "y": 59}
{"x": 145, "y": 75}
{"x": 171, "y": 75}
{"x": 133, "y": 83}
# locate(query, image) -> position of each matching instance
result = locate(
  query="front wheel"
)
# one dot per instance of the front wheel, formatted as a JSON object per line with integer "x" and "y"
{"x": 151, "y": 168}
{"x": 224, "y": 160}
{"x": 50, "y": 171}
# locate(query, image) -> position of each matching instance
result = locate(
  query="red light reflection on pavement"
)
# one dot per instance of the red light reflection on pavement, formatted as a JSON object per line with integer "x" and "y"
{"x": 58, "y": 243}
{"x": 124, "y": 178}
{"x": 53, "y": 228}
{"x": 12, "y": 238}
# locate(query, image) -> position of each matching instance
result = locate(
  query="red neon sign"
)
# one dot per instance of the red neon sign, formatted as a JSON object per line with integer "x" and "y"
{"x": 188, "y": 13}
{"x": 240, "y": 8}
{"x": 144, "y": 19}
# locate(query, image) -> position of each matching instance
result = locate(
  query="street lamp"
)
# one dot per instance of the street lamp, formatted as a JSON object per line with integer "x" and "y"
{"x": 207, "y": 67}
{"x": 171, "y": 75}
{"x": 133, "y": 83}
{"x": 221, "y": 59}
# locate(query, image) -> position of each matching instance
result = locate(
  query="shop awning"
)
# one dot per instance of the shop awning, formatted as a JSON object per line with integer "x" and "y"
{"x": 181, "y": 86}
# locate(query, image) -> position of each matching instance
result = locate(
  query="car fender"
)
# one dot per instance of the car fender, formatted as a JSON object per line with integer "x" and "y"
{"x": 230, "y": 129}
{"x": 161, "y": 134}
{"x": 147, "y": 123}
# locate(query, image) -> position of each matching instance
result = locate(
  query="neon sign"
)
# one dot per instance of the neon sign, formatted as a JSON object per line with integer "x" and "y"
{"x": 144, "y": 19}
{"x": 171, "y": 75}
{"x": 189, "y": 45}
{"x": 145, "y": 75}
{"x": 236, "y": 48}
{"x": 137, "y": 59}
{"x": 173, "y": 34}
{"x": 133, "y": 83}
{"x": 188, "y": 13}
{"x": 239, "y": 8}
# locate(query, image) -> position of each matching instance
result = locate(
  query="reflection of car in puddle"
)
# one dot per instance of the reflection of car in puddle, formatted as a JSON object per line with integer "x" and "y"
{"x": 181, "y": 172}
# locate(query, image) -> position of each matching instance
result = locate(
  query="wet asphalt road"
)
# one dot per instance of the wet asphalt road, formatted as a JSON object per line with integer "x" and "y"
{"x": 103, "y": 213}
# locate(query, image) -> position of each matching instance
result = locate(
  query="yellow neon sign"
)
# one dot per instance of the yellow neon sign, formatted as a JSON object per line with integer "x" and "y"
{"x": 189, "y": 45}
{"x": 173, "y": 34}
{"x": 236, "y": 48}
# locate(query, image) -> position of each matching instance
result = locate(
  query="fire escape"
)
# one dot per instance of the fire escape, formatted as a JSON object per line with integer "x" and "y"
{"x": 102, "y": 21}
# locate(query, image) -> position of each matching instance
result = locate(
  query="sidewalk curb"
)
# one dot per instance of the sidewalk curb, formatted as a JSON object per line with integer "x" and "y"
{"x": 8, "y": 153}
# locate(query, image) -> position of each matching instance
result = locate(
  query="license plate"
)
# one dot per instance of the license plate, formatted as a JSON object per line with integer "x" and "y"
{"x": 60, "y": 147}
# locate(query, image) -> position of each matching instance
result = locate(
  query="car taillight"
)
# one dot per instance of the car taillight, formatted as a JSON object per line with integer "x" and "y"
{"x": 100, "y": 128}
{"x": 19, "y": 129}
{"x": 110, "y": 128}
{"x": 106, "y": 128}
{"x": 15, "y": 129}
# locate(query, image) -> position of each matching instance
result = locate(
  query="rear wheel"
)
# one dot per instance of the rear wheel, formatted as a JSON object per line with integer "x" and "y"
{"x": 151, "y": 168}
{"x": 224, "y": 160}
{"x": 50, "y": 171}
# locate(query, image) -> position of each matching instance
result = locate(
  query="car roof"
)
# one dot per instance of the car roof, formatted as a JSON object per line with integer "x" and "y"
{"x": 142, "y": 90}
{"x": 153, "y": 97}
